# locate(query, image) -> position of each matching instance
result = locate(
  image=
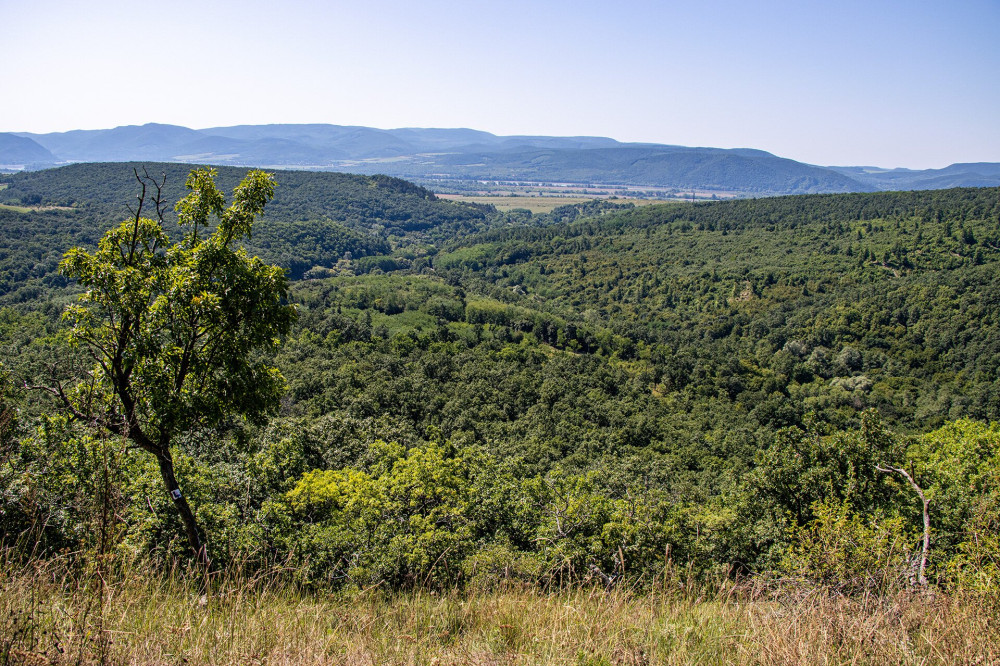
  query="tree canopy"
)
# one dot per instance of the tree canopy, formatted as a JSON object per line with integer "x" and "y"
{"x": 537, "y": 396}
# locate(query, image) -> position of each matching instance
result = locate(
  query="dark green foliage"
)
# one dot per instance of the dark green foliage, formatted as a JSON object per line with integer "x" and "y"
{"x": 747, "y": 299}
{"x": 301, "y": 246}
{"x": 31, "y": 247}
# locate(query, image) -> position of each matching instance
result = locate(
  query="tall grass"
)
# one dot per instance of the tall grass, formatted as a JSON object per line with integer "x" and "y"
{"x": 59, "y": 612}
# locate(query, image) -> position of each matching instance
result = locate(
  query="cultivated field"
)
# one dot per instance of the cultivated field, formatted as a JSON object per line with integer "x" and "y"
{"x": 536, "y": 204}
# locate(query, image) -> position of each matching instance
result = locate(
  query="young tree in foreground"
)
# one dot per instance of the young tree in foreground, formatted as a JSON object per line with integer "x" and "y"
{"x": 176, "y": 331}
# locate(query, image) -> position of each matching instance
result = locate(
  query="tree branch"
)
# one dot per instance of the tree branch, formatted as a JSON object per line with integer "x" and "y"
{"x": 158, "y": 196}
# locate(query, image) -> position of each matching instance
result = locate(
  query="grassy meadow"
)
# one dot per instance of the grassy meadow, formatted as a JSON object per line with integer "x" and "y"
{"x": 536, "y": 204}
{"x": 16, "y": 209}
{"x": 31, "y": 209}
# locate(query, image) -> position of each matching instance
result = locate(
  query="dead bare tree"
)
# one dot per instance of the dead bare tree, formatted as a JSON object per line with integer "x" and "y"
{"x": 922, "y": 570}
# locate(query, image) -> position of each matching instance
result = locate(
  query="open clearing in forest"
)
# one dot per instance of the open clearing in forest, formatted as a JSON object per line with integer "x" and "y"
{"x": 536, "y": 204}
{"x": 29, "y": 209}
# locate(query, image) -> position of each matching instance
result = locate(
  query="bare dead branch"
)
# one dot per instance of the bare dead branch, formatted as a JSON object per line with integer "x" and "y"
{"x": 158, "y": 197}
{"x": 58, "y": 392}
{"x": 141, "y": 196}
{"x": 921, "y": 574}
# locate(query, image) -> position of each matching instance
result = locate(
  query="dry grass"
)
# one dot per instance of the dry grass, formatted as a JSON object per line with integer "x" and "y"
{"x": 48, "y": 616}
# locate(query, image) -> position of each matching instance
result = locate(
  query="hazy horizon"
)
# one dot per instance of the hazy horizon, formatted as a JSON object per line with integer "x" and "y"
{"x": 389, "y": 129}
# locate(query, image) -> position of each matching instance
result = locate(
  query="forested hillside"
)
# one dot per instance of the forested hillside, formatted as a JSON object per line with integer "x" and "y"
{"x": 315, "y": 220}
{"x": 599, "y": 392}
{"x": 376, "y": 203}
{"x": 896, "y": 290}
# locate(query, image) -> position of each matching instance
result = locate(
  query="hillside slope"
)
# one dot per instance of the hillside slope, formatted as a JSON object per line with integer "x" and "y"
{"x": 18, "y": 151}
{"x": 597, "y": 387}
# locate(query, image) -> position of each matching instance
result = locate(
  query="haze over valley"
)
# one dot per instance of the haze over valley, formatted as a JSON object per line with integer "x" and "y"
{"x": 470, "y": 161}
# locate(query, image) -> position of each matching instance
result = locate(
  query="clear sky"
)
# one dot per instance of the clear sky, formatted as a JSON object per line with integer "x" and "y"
{"x": 890, "y": 83}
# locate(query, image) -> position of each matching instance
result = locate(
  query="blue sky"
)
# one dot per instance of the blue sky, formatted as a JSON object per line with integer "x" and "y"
{"x": 914, "y": 84}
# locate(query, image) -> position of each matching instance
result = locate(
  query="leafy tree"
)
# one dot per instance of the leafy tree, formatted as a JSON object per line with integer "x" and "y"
{"x": 398, "y": 521}
{"x": 176, "y": 330}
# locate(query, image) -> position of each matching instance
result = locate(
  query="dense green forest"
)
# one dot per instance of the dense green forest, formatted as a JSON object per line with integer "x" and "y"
{"x": 593, "y": 394}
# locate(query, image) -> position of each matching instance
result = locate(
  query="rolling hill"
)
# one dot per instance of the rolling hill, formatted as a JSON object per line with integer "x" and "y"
{"x": 436, "y": 155}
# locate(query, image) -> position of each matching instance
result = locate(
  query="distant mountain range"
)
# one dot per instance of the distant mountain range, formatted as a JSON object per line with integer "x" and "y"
{"x": 470, "y": 155}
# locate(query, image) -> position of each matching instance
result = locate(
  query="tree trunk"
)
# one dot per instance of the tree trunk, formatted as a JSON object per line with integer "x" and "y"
{"x": 926, "y": 546}
{"x": 187, "y": 516}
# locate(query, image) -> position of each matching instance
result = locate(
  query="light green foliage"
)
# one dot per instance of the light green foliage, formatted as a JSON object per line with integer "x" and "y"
{"x": 851, "y": 551}
{"x": 399, "y": 520}
{"x": 976, "y": 564}
{"x": 959, "y": 468}
{"x": 583, "y": 529}
{"x": 573, "y": 513}
{"x": 957, "y": 465}
{"x": 433, "y": 514}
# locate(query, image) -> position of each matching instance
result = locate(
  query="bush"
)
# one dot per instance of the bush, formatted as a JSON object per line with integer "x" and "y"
{"x": 851, "y": 552}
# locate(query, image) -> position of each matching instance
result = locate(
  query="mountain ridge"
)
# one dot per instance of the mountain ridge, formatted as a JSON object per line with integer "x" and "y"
{"x": 463, "y": 154}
